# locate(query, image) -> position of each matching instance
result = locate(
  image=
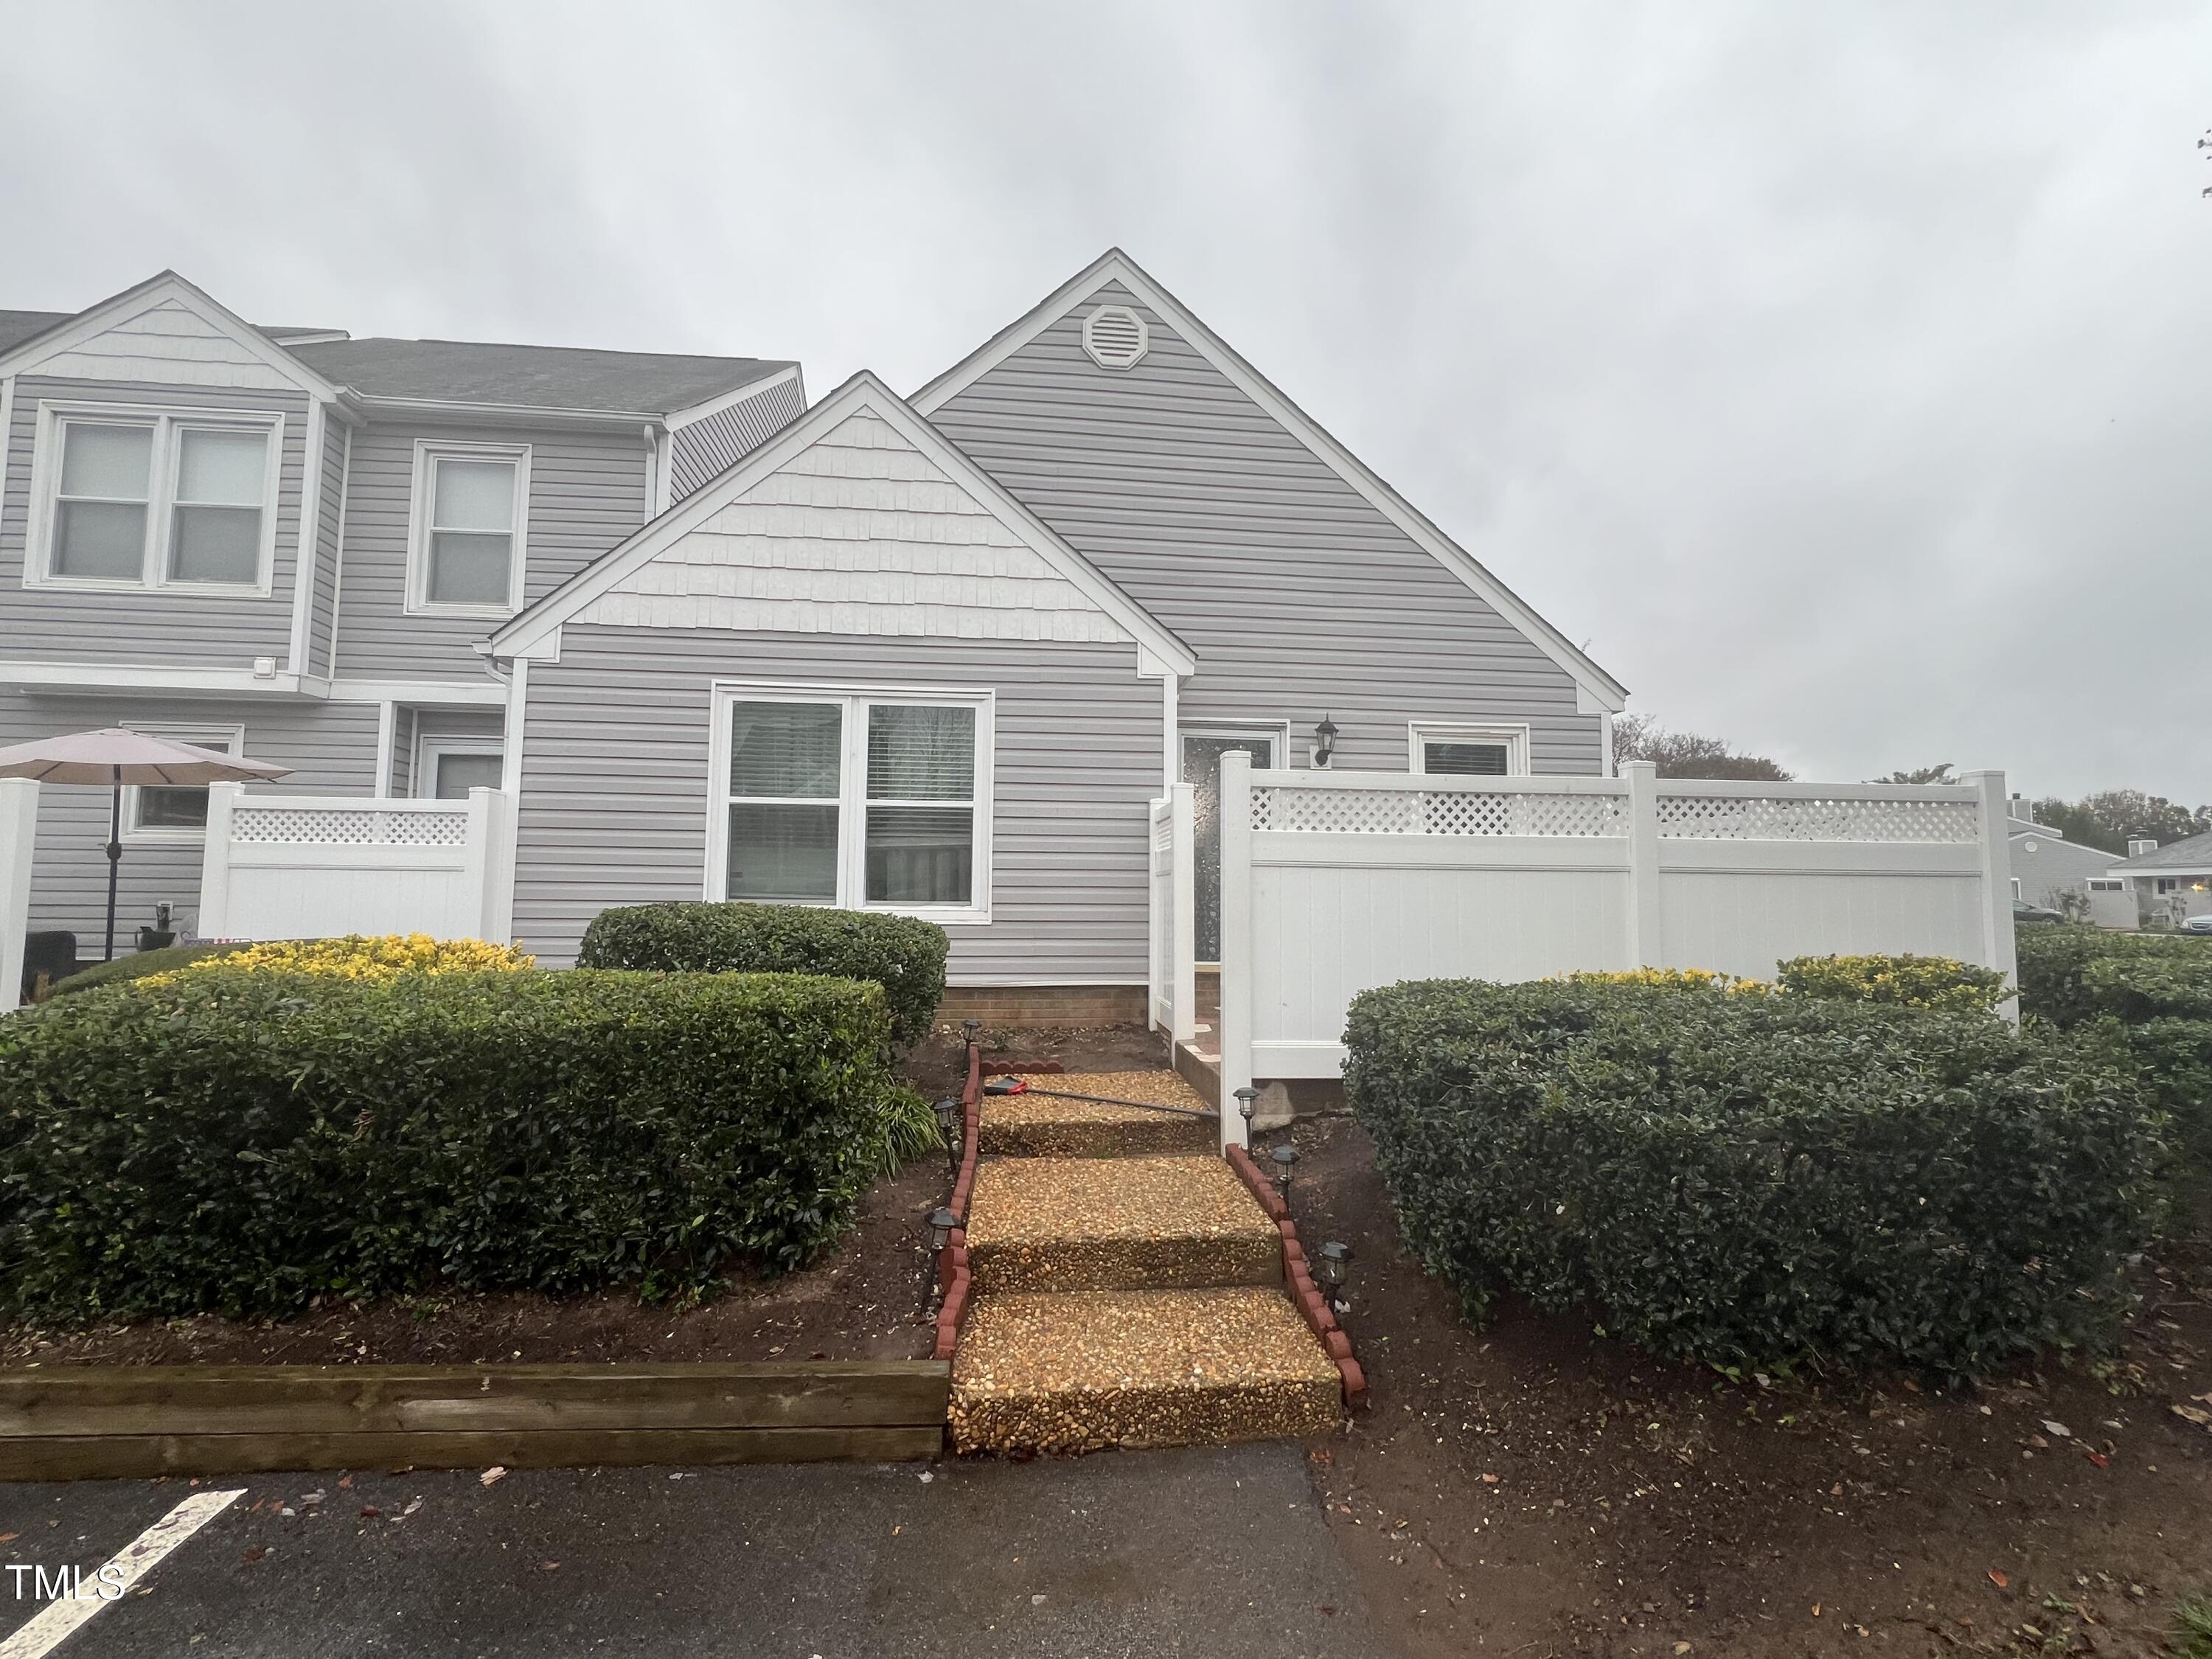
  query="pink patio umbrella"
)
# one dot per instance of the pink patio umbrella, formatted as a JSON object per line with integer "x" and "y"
{"x": 116, "y": 758}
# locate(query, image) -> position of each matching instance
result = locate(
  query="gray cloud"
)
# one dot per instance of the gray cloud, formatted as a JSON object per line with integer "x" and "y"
{"x": 1836, "y": 371}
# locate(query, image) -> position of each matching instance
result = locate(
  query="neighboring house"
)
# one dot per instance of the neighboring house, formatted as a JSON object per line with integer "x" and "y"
{"x": 2169, "y": 883}
{"x": 937, "y": 655}
{"x": 2046, "y": 867}
{"x": 286, "y": 542}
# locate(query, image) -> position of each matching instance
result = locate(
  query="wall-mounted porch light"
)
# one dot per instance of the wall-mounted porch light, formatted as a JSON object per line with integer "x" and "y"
{"x": 1324, "y": 744}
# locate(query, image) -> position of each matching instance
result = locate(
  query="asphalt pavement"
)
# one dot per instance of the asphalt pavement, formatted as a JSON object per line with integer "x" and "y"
{"x": 1216, "y": 1552}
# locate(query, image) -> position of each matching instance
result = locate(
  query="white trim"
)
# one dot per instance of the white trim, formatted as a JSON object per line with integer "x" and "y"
{"x": 387, "y": 732}
{"x": 431, "y": 747}
{"x": 337, "y": 559}
{"x": 421, "y": 505}
{"x": 1171, "y": 733}
{"x": 851, "y": 800}
{"x": 863, "y": 393}
{"x": 7, "y": 433}
{"x": 1605, "y": 767}
{"x": 228, "y": 738}
{"x": 160, "y": 289}
{"x": 308, "y": 553}
{"x": 471, "y": 693}
{"x": 714, "y": 405}
{"x": 445, "y": 411}
{"x": 167, "y": 427}
{"x": 1115, "y": 266}
{"x": 1513, "y": 734}
{"x": 115, "y": 679}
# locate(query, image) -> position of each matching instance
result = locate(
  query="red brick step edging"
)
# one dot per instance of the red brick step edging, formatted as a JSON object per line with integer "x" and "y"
{"x": 1298, "y": 1277}
{"x": 952, "y": 1271}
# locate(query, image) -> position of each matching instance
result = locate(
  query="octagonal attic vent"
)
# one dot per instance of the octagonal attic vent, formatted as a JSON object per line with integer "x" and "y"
{"x": 1115, "y": 337}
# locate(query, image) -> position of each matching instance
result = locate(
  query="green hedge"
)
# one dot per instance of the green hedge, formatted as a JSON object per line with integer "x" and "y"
{"x": 2147, "y": 995}
{"x": 242, "y": 1142}
{"x": 1906, "y": 981}
{"x": 1755, "y": 1180}
{"x": 138, "y": 965}
{"x": 904, "y": 956}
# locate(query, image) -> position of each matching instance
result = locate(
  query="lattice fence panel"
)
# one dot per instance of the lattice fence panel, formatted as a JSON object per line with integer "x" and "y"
{"x": 353, "y": 827}
{"x": 1729, "y": 817}
{"x": 1436, "y": 812}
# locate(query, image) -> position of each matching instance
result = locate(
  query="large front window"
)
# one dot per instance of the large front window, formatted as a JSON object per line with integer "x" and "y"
{"x": 862, "y": 799}
{"x": 150, "y": 499}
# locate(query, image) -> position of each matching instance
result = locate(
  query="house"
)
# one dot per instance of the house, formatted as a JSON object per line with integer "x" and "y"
{"x": 287, "y": 542}
{"x": 2046, "y": 867}
{"x": 934, "y": 653}
{"x": 2169, "y": 883}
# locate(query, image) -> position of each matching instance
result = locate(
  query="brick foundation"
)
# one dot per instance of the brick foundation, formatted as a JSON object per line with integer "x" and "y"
{"x": 1003, "y": 1006}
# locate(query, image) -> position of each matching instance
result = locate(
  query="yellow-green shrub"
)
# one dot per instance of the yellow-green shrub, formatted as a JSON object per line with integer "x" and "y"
{"x": 1907, "y": 981}
{"x": 365, "y": 956}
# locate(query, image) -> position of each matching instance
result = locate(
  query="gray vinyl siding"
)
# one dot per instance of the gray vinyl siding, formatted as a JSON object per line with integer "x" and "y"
{"x": 332, "y": 747}
{"x": 614, "y": 802}
{"x": 1300, "y": 599}
{"x": 173, "y": 626}
{"x": 2055, "y": 866}
{"x": 322, "y": 621}
{"x": 700, "y": 450}
{"x": 587, "y": 491}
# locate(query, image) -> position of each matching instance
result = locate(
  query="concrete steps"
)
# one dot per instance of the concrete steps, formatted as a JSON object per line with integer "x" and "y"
{"x": 1084, "y": 1370}
{"x": 1117, "y": 1223}
{"x": 1127, "y": 1288}
{"x": 1046, "y": 1125}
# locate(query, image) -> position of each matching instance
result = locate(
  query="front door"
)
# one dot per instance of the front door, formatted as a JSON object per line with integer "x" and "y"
{"x": 1202, "y": 769}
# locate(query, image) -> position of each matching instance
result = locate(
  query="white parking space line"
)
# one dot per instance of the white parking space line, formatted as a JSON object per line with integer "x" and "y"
{"x": 95, "y": 1590}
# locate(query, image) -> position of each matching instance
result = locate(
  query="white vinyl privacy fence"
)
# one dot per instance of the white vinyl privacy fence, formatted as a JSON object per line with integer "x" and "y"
{"x": 1333, "y": 882}
{"x": 307, "y": 866}
{"x": 1174, "y": 915}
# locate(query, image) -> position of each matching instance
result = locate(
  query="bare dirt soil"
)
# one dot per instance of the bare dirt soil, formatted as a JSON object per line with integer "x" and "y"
{"x": 939, "y": 1064}
{"x": 863, "y": 1301}
{"x": 1535, "y": 1488}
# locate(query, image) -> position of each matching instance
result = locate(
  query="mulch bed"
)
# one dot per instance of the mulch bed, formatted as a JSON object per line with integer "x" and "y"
{"x": 1534, "y": 1487}
{"x": 862, "y": 1302}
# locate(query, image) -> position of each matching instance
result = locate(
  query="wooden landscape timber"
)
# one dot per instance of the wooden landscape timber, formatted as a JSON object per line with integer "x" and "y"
{"x": 109, "y": 1422}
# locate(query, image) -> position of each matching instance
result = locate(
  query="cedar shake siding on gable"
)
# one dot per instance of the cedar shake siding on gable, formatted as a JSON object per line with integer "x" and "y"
{"x": 1300, "y": 599}
{"x": 173, "y": 626}
{"x": 615, "y": 783}
{"x": 587, "y": 491}
{"x": 330, "y": 746}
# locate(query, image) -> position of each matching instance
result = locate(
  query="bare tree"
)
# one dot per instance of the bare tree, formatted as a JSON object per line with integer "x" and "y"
{"x": 1686, "y": 754}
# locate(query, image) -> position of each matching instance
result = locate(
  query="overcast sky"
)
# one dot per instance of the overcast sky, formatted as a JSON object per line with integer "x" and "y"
{"x": 1839, "y": 373}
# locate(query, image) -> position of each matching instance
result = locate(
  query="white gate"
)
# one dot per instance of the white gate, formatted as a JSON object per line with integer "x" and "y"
{"x": 1333, "y": 882}
{"x": 314, "y": 866}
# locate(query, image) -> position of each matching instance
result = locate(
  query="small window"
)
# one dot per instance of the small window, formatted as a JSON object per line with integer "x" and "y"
{"x": 2015, "y": 887}
{"x": 862, "y": 799}
{"x": 176, "y": 811}
{"x": 2106, "y": 887}
{"x": 1482, "y": 752}
{"x": 155, "y": 499}
{"x": 468, "y": 542}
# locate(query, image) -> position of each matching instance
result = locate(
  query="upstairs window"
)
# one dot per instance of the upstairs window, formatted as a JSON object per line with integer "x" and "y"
{"x": 867, "y": 801}
{"x": 469, "y": 506}
{"x": 1482, "y": 752}
{"x": 154, "y": 498}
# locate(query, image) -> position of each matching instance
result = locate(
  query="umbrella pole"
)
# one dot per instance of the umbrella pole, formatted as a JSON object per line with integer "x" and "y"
{"x": 114, "y": 857}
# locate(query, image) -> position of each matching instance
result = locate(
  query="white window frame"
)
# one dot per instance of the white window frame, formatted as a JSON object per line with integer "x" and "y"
{"x": 54, "y": 418}
{"x": 851, "y": 800}
{"x": 213, "y": 734}
{"x": 431, "y": 746}
{"x": 1513, "y": 734}
{"x": 422, "y": 502}
{"x": 1278, "y": 734}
